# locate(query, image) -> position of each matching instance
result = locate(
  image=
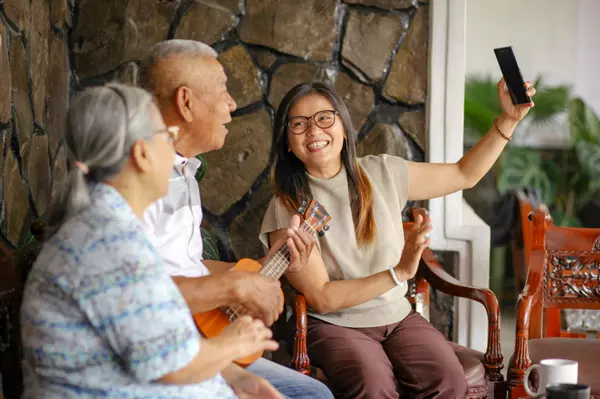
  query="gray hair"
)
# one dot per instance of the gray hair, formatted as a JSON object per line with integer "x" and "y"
{"x": 171, "y": 48}
{"x": 103, "y": 123}
{"x": 175, "y": 47}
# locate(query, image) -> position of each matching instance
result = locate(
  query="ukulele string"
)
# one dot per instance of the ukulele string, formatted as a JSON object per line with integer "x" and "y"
{"x": 273, "y": 266}
{"x": 274, "y": 262}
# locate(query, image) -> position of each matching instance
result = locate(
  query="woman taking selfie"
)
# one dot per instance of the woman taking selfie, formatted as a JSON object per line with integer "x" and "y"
{"x": 361, "y": 330}
{"x": 100, "y": 316}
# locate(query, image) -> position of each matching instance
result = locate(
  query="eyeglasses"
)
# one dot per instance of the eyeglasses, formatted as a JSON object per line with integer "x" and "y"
{"x": 300, "y": 124}
{"x": 172, "y": 131}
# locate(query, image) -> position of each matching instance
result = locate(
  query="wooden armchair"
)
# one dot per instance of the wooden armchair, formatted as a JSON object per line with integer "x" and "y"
{"x": 528, "y": 201}
{"x": 482, "y": 370}
{"x": 563, "y": 273}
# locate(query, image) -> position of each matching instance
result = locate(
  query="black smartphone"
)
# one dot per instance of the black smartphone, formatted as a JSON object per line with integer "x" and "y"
{"x": 512, "y": 75}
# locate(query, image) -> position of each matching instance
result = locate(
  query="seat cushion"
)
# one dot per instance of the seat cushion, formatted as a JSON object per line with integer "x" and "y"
{"x": 472, "y": 363}
{"x": 586, "y": 352}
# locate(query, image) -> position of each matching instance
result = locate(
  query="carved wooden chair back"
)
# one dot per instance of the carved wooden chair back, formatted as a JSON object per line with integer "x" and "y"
{"x": 566, "y": 262}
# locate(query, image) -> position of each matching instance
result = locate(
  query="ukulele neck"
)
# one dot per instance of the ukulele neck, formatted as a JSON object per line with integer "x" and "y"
{"x": 278, "y": 263}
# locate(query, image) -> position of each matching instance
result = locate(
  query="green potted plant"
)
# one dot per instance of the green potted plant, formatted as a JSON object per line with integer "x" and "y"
{"x": 585, "y": 177}
{"x": 519, "y": 166}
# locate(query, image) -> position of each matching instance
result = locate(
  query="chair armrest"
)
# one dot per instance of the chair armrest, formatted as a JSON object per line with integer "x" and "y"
{"x": 418, "y": 295}
{"x": 444, "y": 282}
{"x": 520, "y": 360}
{"x": 300, "y": 360}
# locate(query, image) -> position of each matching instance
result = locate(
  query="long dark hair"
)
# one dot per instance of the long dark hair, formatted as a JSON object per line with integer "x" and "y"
{"x": 288, "y": 173}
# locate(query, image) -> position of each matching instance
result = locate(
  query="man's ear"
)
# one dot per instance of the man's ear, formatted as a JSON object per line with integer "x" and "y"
{"x": 183, "y": 102}
{"x": 140, "y": 156}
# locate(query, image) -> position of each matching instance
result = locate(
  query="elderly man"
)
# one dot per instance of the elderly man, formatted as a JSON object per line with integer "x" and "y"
{"x": 190, "y": 88}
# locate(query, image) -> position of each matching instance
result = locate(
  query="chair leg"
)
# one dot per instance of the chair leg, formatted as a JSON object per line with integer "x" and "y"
{"x": 519, "y": 362}
{"x": 300, "y": 360}
{"x": 517, "y": 392}
{"x": 497, "y": 389}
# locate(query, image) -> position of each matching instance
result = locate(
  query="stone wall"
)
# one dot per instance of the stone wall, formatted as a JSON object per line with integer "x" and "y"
{"x": 373, "y": 51}
{"x": 34, "y": 91}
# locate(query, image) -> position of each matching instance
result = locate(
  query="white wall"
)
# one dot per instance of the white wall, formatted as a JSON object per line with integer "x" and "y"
{"x": 587, "y": 56}
{"x": 559, "y": 39}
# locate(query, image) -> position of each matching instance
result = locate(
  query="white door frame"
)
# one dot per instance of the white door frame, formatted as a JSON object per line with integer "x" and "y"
{"x": 456, "y": 226}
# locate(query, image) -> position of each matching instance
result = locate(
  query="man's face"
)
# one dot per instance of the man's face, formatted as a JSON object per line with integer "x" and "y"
{"x": 212, "y": 105}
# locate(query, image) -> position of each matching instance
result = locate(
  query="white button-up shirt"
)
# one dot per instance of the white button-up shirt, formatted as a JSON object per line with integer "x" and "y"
{"x": 173, "y": 222}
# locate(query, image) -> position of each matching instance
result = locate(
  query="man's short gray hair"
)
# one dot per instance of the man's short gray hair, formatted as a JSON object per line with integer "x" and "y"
{"x": 171, "y": 48}
{"x": 175, "y": 47}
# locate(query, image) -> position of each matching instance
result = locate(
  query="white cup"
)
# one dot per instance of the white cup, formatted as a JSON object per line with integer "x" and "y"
{"x": 552, "y": 371}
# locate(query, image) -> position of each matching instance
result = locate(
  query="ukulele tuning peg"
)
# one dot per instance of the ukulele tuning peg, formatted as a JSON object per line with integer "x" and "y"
{"x": 321, "y": 233}
{"x": 304, "y": 203}
{"x": 326, "y": 227}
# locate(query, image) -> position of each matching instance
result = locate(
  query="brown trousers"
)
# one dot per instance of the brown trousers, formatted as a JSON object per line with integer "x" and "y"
{"x": 376, "y": 363}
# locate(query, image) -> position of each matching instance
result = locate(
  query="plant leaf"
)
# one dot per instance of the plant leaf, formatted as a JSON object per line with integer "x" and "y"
{"x": 524, "y": 167}
{"x": 481, "y": 105}
{"x": 588, "y": 154}
{"x": 201, "y": 172}
{"x": 584, "y": 122}
{"x": 211, "y": 248}
{"x": 559, "y": 218}
{"x": 549, "y": 103}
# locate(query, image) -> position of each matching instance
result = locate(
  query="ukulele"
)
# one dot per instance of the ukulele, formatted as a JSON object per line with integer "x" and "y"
{"x": 213, "y": 322}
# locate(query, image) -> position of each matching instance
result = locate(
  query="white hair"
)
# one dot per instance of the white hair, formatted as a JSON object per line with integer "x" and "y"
{"x": 173, "y": 47}
{"x": 103, "y": 123}
{"x": 170, "y": 48}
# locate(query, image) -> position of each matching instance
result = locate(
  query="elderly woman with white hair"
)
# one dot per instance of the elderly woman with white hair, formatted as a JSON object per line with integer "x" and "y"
{"x": 100, "y": 316}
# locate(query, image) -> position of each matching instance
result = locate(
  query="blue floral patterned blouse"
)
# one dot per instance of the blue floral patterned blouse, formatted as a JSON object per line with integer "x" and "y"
{"x": 101, "y": 318}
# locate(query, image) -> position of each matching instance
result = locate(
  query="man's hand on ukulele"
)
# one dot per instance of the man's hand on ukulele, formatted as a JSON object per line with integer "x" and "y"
{"x": 300, "y": 244}
{"x": 259, "y": 295}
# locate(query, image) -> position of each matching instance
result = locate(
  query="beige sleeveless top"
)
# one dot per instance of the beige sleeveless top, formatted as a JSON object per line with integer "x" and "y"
{"x": 342, "y": 257}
